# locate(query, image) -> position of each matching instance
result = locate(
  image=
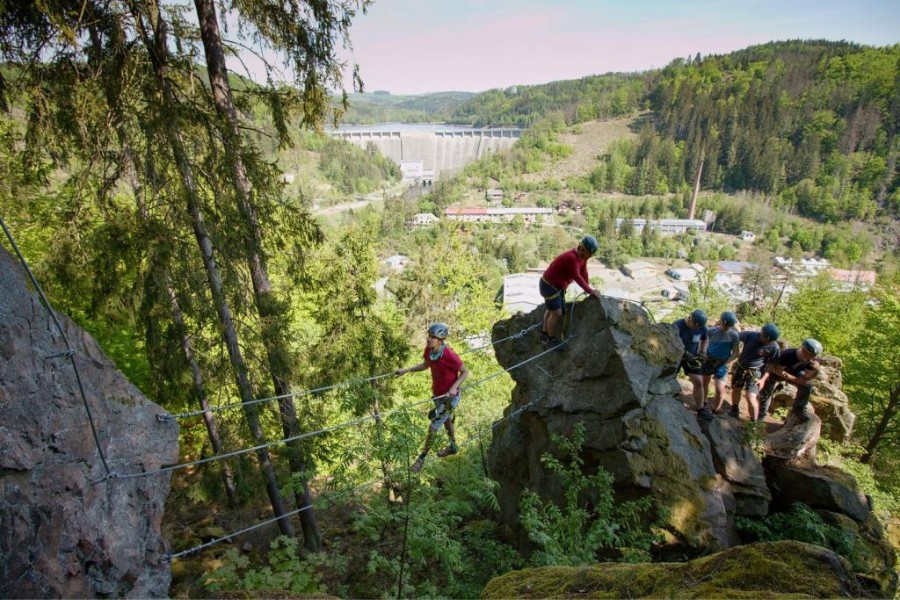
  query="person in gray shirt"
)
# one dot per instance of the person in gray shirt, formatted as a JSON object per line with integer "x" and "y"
{"x": 724, "y": 347}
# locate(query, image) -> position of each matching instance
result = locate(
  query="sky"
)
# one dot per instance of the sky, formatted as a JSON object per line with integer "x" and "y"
{"x": 420, "y": 46}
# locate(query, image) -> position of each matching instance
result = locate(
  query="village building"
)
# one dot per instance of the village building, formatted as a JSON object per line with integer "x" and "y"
{"x": 682, "y": 274}
{"x": 423, "y": 220}
{"x": 732, "y": 271}
{"x": 639, "y": 269}
{"x": 666, "y": 226}
{"x": 853, "y": 279}
{"x": 500, "y": 215}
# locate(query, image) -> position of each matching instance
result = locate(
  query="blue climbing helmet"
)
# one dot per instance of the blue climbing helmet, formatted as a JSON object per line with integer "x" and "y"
{"x": 439, "y": 330}
{"x": 699, "y": 317}
{"x": 813, "y": 346}
{"x": 728, "y": 318}
{"x": 770, "y": 330}
{"x": 589, "y": 243}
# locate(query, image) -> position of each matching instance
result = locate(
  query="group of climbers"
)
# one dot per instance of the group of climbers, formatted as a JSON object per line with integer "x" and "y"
{"x": 758, "y": 365}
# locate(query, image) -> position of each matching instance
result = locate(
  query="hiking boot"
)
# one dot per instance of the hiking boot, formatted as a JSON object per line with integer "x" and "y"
{"x": 705, "y": 414}
{"x": 448, "y": 451}
{"x": 545, "y": 338}
{"x": 417, "y": 466}
{"x": 802, "y": 413}
{"x": 735, "y": 412}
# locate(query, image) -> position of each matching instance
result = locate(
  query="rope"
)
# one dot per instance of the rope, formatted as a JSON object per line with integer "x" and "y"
{"x": 296, "y": 394}
{"x": 167, "y": 558}
{"x": 169, "y": 417}
{"x": 243, "y": 451}
{"x": 518, "y": 411}
{"x": 69, "y": 352}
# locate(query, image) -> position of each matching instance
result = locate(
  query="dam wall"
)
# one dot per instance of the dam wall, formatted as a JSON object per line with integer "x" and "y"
{"x": 441, "y": 151}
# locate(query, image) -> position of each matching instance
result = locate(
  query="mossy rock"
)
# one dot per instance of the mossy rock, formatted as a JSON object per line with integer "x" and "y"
{"x": 763, "y": 570}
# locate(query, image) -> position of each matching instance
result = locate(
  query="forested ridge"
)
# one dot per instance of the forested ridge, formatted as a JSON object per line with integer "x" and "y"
{"x": 811, "y": 124}
{"x": 157, "y": 213}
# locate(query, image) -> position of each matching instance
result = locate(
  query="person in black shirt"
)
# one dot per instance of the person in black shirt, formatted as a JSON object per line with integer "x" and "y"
{"x": 797, "y": 366}
{"x": 759, "y": 348}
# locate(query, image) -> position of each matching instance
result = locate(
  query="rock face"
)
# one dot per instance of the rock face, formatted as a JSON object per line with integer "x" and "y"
{"x": 765, "y": 570}
{"x": 616, "y": 375}
{"x": 62, "y": 534}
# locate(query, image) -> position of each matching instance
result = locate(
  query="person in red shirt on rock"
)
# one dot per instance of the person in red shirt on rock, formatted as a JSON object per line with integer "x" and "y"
{"x": 447, "y": 373}
{"x": 569, "y": 266}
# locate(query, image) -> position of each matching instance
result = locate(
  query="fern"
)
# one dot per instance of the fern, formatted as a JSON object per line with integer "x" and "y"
{"x": 574, "y": 534}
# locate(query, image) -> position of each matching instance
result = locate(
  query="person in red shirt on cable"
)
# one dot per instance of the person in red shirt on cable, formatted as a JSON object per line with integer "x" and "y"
{"x": 567, "y": 267}
{"x": 447, "y": 373}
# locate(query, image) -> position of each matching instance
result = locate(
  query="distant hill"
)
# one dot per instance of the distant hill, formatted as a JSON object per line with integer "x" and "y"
{"x": 383, "y": 107}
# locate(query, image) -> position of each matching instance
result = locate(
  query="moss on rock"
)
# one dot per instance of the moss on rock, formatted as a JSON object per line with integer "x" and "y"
{"x": 764, "y": 570}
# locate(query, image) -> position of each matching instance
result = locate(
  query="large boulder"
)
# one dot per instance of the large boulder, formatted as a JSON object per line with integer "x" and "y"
{"x": 763, "y": 570}
{"x": 819, "y": 487}
{"x": 736, "y": 462}
{"x": 65, "y": 529}
{"x": 615, "y": 375}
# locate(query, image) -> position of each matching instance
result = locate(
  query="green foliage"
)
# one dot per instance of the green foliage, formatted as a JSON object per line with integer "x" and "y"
{"x": 590, "y": 520}
{"x": 595, "y": 97}
{"x": 801, "y": 524}
{"x": 704, "y": 294}
{"x": 354, "y": 170}
{"x": 284, "y": 570}
{"x": 383, "y": 107}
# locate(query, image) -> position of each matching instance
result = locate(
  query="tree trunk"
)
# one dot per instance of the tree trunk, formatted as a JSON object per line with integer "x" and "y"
{"x": 129, "y": 168}
{"x": 887, "y": 415}
{"x": 200, "y": 391}
{"x": 158, "y": 52}
{"x": 270, "y": 315}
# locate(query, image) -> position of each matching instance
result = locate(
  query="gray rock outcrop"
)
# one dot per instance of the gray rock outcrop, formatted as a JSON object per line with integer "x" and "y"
{"x": 616, "y": 376}
{"x": 65, "y": 531}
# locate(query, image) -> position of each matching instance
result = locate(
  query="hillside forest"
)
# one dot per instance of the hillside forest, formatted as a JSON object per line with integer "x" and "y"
{"x": 191, "y": 220}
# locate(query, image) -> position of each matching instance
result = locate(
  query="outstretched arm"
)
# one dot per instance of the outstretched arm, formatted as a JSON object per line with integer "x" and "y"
{"x": 419, "y": 367}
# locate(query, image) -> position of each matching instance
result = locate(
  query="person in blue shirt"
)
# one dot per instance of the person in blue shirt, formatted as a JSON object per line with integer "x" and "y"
{"x": 759, "y": 349}
{"x": 797, "y": 366}
{"x": 724, "y": 347}
{"x": 693, "y": 333}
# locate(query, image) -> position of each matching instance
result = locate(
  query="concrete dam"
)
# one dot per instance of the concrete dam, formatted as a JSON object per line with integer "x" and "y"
{"x": 426, "y": 152}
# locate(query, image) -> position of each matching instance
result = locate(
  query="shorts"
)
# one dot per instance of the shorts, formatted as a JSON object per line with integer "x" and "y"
{"x": 748, "y": 379}
{"x": 553, "y": 298}
{"x": 715, "y": 367}
{"x": 691, "y": 365}
{"x": 443, "y": 411}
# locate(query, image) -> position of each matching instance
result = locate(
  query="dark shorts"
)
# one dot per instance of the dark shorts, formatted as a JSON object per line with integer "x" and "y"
{"x": 691, "y": 365}
{"x": 553, "y": 298}
{"x": 745, "y": 378}
{"x": 716, "y": 367}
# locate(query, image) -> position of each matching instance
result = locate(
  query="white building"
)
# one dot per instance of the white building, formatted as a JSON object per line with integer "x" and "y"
{"x": 639, "y": 269}
{"x": 423, "y": 220}
{"x": 805, "y": 267}
{"x": 666, "y": 226}
{"x": 748, "y": 236}
{"x": 500, "y": 215}
{"x": 682, "y": 274}
{"x": 521, "y": 293}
